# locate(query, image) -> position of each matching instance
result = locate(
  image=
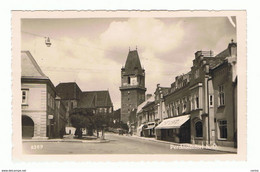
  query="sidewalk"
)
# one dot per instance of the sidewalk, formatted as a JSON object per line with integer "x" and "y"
{"x": 188, "y": 145}
{"x": 70, "y": 138}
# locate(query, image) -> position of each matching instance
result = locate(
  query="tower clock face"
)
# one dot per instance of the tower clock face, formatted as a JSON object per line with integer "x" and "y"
{"x": 134, "y": 81}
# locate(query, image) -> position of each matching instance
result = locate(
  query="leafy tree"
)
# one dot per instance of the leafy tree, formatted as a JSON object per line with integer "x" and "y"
{"x": 82, "y": 118}
{"x": 100, "y": 120}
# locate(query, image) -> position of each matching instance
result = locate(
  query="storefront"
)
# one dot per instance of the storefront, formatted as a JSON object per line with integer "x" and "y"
{"x": 140, "y": 130}
{"x": 176, "y": 129}
{"x": 149, "y": 130}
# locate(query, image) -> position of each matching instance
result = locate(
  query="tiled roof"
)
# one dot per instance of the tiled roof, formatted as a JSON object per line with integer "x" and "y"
{"x": 92, "y": 99}
{"x": 30, "y": 68}
{"x": 133, "y": 63}
{"x": 68, "y": 90}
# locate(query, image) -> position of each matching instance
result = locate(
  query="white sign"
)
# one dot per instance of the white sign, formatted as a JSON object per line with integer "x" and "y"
{"x": 50, "y": 116}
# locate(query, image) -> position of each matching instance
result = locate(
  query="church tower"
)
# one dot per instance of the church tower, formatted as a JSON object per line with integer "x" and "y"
{"x": 132, "y": 85}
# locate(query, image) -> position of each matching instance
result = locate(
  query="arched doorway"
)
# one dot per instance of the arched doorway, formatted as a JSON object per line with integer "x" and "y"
{"x": 27, "y": 127}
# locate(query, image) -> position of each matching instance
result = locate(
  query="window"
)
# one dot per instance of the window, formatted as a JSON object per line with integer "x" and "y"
{"x": 191, "y": 103}
{"x": 173, "y": 108}
{"x": 210, "y": 100}
{"x": 197, "y": 102}
{"x": 105, "y": 110}
{"x": 129, "y": 80}
{"x": 199, "y": 129}
{"x": 197, "y": 73}
{"x": 221, "y": 95}
{"x": 24, "y": 97}
{"x": 222, "y": 129}
{"x": 178, "y": 110}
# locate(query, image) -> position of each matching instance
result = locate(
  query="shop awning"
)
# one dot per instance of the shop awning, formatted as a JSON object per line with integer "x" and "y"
{"x": 140, "y": 127}
{"x": 175, "y": 122}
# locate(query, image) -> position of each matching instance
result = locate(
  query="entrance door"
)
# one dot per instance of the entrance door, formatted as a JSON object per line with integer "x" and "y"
{"x": 27, "y": 127}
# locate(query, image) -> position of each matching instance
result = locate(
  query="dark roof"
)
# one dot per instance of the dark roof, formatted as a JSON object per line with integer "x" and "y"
{"x": 93, "y": 99}
{"x": 68, "y": 91}
{"x": 133, "y": 63}
{"x": 30, "y": 68}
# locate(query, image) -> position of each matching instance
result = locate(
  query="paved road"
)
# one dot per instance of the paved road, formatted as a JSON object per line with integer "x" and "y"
{"x": 117, "y": 145}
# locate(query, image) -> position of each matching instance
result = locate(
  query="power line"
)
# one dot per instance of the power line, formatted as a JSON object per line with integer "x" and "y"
{"x": 42, "y": 36}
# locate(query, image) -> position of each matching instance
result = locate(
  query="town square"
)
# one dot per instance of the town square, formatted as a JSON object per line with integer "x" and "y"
{"x": 129, "y": 85}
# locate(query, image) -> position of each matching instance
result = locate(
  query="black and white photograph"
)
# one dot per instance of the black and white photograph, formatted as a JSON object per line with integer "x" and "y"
{"x": 127, "y": 84}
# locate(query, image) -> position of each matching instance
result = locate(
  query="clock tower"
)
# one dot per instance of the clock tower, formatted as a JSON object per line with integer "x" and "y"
{"x": 132, "y": 85}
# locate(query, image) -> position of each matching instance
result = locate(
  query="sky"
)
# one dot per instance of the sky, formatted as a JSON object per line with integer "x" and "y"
{"x": 92, "y": 51}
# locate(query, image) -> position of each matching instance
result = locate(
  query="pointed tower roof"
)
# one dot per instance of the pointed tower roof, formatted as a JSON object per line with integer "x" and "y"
{"x": 133, "y": 64}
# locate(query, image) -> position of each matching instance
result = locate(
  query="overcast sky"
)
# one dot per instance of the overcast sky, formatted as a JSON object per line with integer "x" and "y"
{"x": 91, "y": 52}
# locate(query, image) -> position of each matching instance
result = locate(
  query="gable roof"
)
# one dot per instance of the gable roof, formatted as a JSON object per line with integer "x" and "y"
{"x": 29, "y": 67}
{"x": 220, "y": 58}
{"x": 68, "y": 90}
{"x": 148, "y": 101}
{"x": 93, "y": 99}
{"x": 133, "y": 63}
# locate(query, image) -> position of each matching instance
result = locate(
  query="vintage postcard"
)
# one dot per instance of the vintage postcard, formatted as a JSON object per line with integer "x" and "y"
{"x": 130, "y": 85}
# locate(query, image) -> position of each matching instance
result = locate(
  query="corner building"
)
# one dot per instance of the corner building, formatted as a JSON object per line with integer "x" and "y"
{"x": 132, "y": 85}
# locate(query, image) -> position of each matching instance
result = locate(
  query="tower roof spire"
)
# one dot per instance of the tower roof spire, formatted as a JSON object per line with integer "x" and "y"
{"x": 133, "y": 63}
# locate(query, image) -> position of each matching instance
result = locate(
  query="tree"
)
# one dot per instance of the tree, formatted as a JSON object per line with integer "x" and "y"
{"x": 82, "y": 118}
{"x": 100, "y": 120}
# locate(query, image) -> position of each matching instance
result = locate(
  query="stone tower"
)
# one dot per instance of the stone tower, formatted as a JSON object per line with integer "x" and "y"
{"x": 132, "y": 85}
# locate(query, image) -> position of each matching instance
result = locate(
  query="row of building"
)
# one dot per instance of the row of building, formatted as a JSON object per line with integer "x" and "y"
{"x": 46, "y": 108}
{"x": 200, "y": 107}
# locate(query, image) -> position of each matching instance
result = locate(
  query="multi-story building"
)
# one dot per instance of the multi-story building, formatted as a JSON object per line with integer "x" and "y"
{"x": 224, "y": 98}
{"x": 159, "y": 109}
{"x": 176, "y": 125}
{"x": 132, "y": 85}
{"x": 39, "y": 111}
{"x": 202, "y": 104}
{"x": 142, "y": 117}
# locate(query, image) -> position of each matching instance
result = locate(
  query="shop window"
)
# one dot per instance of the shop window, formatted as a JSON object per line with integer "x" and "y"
{"x": 221, "y": 95}
{"x": 222, "y": 129}
{"x": 24, "y": 97}
{"x": 199, "y": 129}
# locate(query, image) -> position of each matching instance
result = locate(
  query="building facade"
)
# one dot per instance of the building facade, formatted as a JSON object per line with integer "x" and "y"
{"x": 200, "y": 107}
{"x": 39, "y": 110}
{"x": 132, "y": 85}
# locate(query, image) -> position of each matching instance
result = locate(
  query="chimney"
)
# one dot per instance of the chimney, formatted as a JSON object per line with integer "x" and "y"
{"x": 232, "y": 47}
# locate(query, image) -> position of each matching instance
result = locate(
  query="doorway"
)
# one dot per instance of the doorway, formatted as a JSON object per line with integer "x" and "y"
{"x": 27, "y": 127}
